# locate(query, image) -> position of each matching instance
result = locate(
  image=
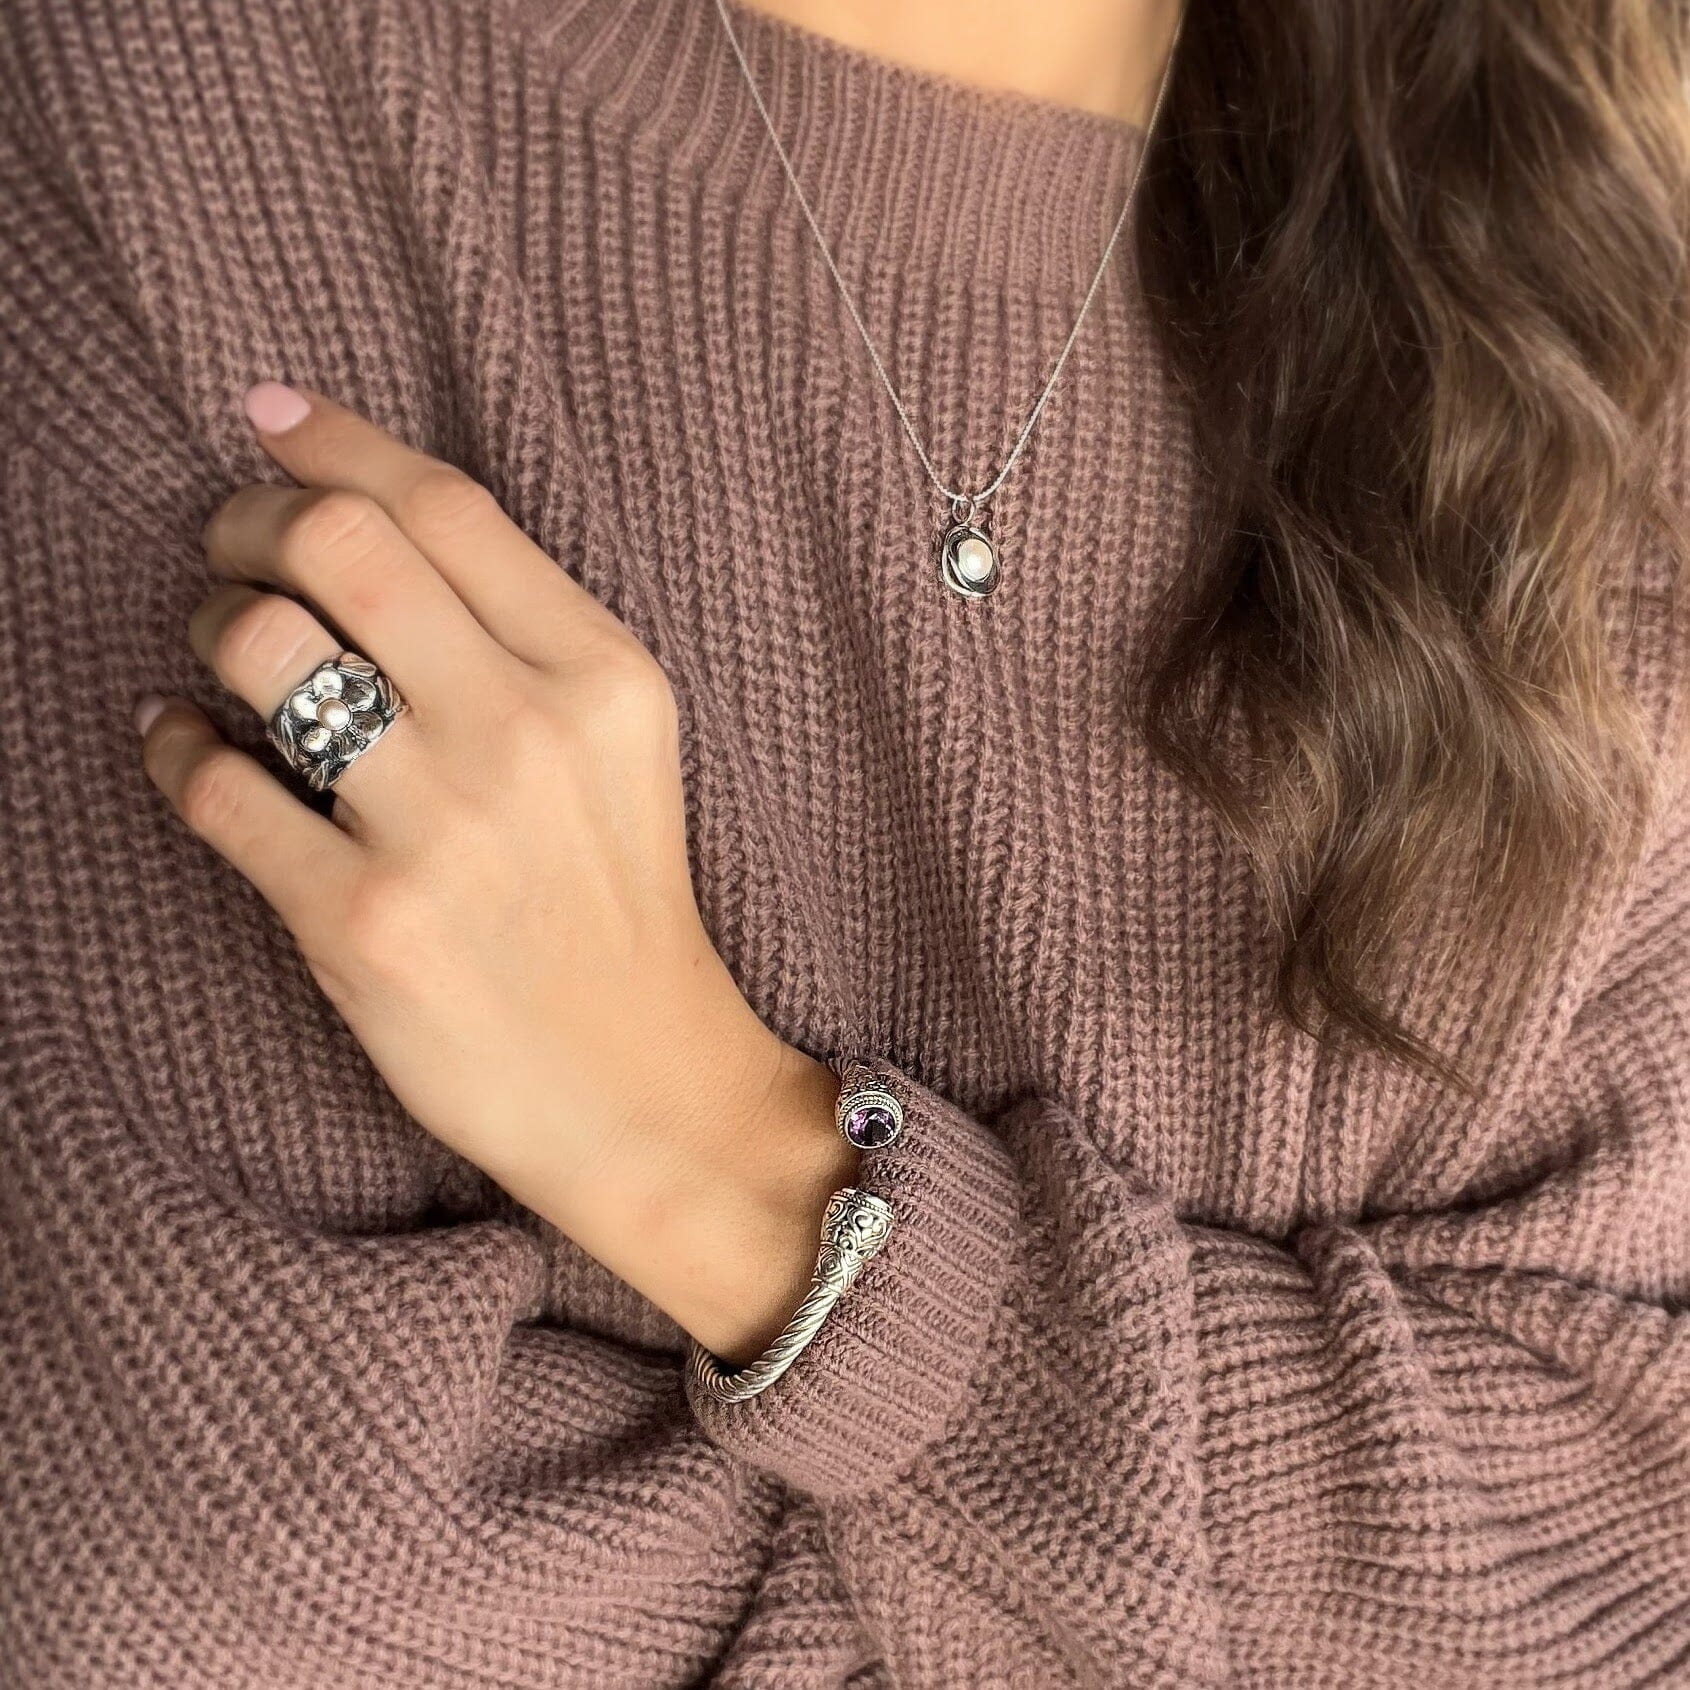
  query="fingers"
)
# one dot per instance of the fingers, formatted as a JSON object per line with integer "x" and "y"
{"x": 264, "y": 648}
{"x": 342, "y": 551}
{"x": 513, "y": 589}
{"x": 298, "y": 860}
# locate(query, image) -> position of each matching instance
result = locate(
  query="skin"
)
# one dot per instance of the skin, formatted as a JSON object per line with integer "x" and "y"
{"x": 501, "y": 905}
{"x": 1102, "y": 56}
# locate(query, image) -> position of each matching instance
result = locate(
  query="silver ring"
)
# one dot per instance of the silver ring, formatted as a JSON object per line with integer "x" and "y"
{"x": 331, "y": 718}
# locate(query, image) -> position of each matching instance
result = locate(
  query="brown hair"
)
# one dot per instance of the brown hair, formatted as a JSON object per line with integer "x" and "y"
{"x": 1422, "y": 268}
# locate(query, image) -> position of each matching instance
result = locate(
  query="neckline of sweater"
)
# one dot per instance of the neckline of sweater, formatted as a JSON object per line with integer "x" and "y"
{"x": 904, "y": 168}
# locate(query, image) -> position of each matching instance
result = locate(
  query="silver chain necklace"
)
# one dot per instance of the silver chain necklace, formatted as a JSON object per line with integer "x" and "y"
{"x": 969, "y": 559}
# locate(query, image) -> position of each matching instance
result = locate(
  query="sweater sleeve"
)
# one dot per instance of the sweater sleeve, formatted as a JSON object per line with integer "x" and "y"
{"x": 1115, "y": 1447}
{"x": 289, "y": 1400}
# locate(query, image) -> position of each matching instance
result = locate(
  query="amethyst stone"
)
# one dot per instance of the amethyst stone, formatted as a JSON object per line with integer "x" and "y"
{"x": 872, "y": 1123}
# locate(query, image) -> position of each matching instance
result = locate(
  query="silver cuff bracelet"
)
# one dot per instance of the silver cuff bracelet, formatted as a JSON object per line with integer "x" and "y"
{"x": 854, "y": 1227}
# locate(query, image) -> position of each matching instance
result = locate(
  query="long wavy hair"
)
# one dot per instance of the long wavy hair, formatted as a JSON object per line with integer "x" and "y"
{"x": 1423, "y": 270}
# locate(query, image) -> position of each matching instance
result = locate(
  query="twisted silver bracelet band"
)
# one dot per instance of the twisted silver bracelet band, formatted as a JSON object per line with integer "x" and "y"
{"x": 855, "y": 1225}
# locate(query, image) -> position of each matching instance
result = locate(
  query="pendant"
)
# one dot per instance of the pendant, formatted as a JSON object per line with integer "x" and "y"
{"x": 968, "y": 560}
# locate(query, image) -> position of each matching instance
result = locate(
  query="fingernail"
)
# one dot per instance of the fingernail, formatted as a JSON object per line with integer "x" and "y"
{"x": 147, "y": 709}
{"x": 273, "y": 409}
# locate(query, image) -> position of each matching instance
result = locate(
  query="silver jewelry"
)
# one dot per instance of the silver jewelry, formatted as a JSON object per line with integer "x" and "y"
{"x": 855, "y": 1226}
{"x": 969, "y": 559}
{"x": 867, "y": 1114}
{"x": 333, "y": 717}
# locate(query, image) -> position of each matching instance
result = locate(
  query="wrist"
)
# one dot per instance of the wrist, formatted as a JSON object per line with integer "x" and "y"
{"x": 744, "y": 1263}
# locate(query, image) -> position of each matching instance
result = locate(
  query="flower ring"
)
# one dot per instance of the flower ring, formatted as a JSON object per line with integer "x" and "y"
{"x": 333, "y": 717}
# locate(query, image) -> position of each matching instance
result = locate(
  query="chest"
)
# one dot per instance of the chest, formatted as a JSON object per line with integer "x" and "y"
{"x": 919, "y": 824}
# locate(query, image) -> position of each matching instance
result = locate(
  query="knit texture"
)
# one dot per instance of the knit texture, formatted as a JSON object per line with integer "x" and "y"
{"x": 1198, "y": 1354}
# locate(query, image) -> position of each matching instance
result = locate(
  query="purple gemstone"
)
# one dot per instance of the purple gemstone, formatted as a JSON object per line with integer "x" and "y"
{"x": 870, "y": 1125}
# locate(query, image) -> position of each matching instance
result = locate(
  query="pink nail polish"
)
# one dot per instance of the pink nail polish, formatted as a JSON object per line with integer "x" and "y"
{"x": 272, "y": 408}
{"x": 147, "y": 709}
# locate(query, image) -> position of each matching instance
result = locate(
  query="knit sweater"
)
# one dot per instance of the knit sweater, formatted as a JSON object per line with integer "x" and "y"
{"x": 1201, "y": 1352}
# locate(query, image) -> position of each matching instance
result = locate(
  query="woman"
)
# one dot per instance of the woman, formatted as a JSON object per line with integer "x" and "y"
{"x": 1201, "y": 884}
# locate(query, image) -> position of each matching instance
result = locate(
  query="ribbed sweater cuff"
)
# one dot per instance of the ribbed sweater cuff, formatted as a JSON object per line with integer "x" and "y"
{"x": 892, "y": 1365}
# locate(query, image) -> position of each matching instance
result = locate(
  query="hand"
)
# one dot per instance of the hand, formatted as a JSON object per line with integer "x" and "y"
{"x": 501, "y": 906}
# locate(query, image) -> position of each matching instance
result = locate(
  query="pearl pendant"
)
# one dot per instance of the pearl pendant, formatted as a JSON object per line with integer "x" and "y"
{"x": 968, "y": 561}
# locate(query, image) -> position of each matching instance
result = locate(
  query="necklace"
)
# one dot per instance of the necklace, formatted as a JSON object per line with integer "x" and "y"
{"x": 970, "y": 563}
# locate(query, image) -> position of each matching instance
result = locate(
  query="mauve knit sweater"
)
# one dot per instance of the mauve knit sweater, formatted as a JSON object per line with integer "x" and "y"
{"x": 1199, "y": 1353}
